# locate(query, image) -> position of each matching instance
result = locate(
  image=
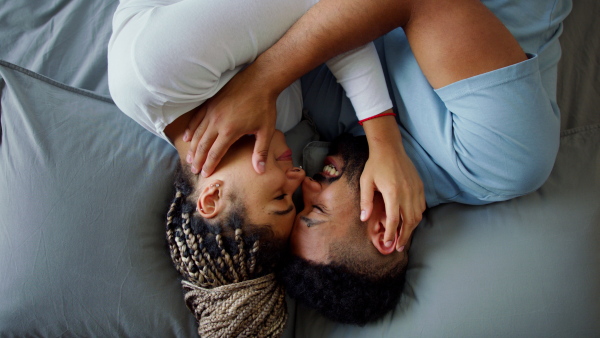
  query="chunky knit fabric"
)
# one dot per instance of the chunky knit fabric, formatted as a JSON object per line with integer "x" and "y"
{"x": 253, "y": 308}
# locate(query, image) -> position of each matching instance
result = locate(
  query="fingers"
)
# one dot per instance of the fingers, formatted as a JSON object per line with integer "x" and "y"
{"x": 409, "y": 224}
{"x": 261, "y": 149}
{"x": 367, "y": 191}
{"x": 200, "y": 151}
{"x": 392, "y": 219}
{"x": 194, "y": 123}
{"x": 199, "y": 146}
{"x": 217, "y": 151}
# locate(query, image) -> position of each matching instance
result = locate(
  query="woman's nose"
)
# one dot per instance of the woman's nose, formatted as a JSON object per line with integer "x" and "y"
{"x": 294, "y": 177}
{"x": 296, "y": 173}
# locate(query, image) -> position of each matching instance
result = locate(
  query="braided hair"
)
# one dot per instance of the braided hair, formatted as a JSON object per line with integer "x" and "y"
{"x": 227, "y": 267}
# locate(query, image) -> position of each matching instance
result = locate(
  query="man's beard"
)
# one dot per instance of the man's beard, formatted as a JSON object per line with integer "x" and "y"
{"x": 354, "y": 152}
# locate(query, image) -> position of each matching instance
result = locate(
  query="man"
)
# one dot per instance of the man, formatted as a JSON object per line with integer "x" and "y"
{"x": 465, "y": 150}
{"x": 478, "y": 120}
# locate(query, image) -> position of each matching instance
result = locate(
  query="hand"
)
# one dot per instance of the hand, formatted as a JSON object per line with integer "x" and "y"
{"x": 240, "y": 108}
{"x": 391, "y": 172}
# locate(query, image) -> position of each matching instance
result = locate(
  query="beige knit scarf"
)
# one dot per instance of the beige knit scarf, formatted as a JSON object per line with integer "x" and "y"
{"x": 252, "y": 308}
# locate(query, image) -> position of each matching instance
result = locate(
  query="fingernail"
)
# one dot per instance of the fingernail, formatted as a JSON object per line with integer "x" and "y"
{"x": 189, "y": 158}
{"x": 185, "y": 136}
{"x": 194, "y": 170}
{"x": 388, "y": 244}
{"x": 204, "y": 173}
{"x": 400, "y": 249}
{"x": 261, "y": 167}
{"x": 363, "y": 214}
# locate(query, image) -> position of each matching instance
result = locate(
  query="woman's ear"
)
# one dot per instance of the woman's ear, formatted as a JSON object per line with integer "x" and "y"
{"x": 211, "y": 202}
{"x": 376, "y": 231}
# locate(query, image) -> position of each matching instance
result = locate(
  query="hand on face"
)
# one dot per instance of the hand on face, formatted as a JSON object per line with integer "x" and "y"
{"x": 396, "y": 178}
{"x": 239, "y": 108}
{"x": 391, "y": 172}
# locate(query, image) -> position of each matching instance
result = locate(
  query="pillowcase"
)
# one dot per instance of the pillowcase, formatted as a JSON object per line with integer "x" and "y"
{"x": 84, "y": 192}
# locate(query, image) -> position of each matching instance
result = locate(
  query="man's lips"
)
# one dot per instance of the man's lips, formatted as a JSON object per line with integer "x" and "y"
{"x": 286, "y": 156}
{"x": 331, "y": 168}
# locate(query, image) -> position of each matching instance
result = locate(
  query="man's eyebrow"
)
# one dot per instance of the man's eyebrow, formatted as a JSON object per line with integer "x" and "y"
{"x": 283, "y": 212}
{"x": 310, "y": 222}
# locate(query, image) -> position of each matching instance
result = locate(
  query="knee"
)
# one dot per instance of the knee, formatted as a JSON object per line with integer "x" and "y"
{"x": 530, "y": 176}
{"x": 516, "y": 175}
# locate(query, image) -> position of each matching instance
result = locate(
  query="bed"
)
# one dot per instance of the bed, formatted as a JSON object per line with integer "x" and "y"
{"x": 84, "y": 192}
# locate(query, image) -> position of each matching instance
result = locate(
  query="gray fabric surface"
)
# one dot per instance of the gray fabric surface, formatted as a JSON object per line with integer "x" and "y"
{"x": 578, "y": 90}
{"x": 65, "y": 40}
{"x": 83, "y": 196}
{"x": 83, "y": 192}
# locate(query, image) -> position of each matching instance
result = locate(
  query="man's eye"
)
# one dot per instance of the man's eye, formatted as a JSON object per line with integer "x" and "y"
{"x": 280, "y": 197}
{"x": 318, "y": 207}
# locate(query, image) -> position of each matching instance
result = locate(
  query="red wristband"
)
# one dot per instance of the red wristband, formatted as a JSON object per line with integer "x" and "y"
{"x": 375, "y": 116}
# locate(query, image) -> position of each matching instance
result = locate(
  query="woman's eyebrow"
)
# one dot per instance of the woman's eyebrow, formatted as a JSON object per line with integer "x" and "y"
{"x": 283, "y": 212}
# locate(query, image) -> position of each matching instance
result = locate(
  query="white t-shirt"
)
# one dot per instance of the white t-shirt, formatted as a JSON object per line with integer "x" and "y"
{"x": 167, "y": 57}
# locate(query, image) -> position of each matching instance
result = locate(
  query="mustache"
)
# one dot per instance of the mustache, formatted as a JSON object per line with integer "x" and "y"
{"x": 321, "y": 179}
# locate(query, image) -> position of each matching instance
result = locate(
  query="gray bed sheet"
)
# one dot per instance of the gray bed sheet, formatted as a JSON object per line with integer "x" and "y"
{"x": 65, "y": 40}
{"x": 81, "y": 245}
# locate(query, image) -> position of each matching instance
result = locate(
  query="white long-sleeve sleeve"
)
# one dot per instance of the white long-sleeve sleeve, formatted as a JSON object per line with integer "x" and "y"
{"x": 360, "y": 73}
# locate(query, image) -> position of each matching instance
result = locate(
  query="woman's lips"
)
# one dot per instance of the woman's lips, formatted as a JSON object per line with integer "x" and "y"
{"x": 286, "y": 156}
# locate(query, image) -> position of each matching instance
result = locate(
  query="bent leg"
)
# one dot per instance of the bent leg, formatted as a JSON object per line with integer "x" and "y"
{"x": 489, "y": 129}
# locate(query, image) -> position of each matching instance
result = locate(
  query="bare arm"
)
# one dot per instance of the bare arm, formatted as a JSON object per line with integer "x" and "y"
{"x": 468, "y": 38}
{"x": 329, "y": 28}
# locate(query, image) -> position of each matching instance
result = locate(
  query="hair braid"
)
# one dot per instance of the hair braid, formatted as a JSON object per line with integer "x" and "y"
{"x": 240, "y": 257}
{"x": 212, "y": 273}
{"x": 227, "y": 258}
{"x": 252, "y": 260}
{"x": 206, "y": 277}
{"x": 171, "y": 237}
{"x": 192, "y": 248}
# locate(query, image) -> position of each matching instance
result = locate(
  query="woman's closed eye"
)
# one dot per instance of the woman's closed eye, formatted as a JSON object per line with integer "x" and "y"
{"x": 280, "y": 197}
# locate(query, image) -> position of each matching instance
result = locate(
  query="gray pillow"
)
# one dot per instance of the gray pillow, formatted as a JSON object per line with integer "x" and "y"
{"x": 83, "y": 196}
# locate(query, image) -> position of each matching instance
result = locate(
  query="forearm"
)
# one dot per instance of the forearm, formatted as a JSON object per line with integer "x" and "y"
{"x": 383, "y": 132}
{"x": 329, "y": 28}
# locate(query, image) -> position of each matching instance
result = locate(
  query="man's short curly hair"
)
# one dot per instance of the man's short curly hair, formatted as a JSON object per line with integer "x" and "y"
{"x": 340, "y": 294}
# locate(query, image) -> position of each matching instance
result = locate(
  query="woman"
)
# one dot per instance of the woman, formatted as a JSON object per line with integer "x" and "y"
{"x": 226, "y": 231}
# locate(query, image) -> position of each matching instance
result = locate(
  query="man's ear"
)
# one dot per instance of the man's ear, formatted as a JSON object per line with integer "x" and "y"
{"x": 376, "y": 231}
{"x": 211, "y": 202}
